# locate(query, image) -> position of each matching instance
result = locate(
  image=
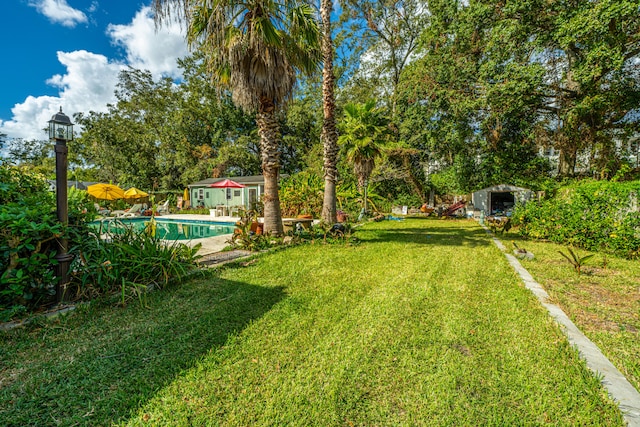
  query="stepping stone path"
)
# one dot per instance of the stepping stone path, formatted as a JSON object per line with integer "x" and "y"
{"x": 218, "y": 258}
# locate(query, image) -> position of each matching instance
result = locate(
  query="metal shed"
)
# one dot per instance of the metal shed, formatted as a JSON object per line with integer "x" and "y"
{"x": 500, "y": 198}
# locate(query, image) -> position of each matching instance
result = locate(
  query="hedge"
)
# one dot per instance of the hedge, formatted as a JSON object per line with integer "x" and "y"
{"x": 594, "y": 215}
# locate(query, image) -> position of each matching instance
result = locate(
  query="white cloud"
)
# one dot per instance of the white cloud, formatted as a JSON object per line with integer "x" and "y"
{"x": 58, "y": 11}
{"x": 146, "y": 49}
{"x": 90, "y": 79}
{"x": 87, "y": 85}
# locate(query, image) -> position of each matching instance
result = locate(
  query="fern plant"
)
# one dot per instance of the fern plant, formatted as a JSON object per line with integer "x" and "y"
{"x": 575, "y": 260}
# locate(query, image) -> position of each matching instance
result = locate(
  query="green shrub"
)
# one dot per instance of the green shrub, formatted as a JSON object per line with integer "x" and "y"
{"x": 245, "y": 238}
{"x": 132, "y": 259}
{"x": 597, "y": 216}
{"x": 301, "y": 193}
{"x": 28, "y": 229}
{"x": 404, "y": 199}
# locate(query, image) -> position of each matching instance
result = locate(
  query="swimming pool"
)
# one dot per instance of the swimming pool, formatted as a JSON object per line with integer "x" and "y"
{"x": 169, "y": 229}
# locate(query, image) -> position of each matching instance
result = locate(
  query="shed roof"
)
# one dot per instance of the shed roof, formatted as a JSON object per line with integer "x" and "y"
{"x": 502, "y": 188}
{"x": 246, "y": 180}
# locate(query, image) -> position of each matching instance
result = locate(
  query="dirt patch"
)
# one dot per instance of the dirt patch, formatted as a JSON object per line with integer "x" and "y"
{"x": 626, "y": 299}
{"x": 599, "y": 272}
{"x": 598, "y": 308}
{"x": 593, "y": 322}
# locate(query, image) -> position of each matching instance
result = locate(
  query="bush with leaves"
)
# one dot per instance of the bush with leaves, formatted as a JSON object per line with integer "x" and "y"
{"x": 245, "y": 237}
{"x": 28, "y": 229}
{"x": 597, "y": 216}
{"x": 130, "y": 261}
{"x": 325, "y": 233}
{"x": 301, "y": 193}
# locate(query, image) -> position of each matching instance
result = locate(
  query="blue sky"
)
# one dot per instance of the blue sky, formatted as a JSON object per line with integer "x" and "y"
{"x": 68, "y": 53}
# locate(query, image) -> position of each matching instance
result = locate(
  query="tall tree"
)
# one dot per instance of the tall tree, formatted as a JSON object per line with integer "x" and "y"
{"x": 329, "y": 134}
{"x": 591, "y": 49}
{"x": 254, "y": 48}
{"x": 387, "y": 34}
{"x": 498, "y": 80}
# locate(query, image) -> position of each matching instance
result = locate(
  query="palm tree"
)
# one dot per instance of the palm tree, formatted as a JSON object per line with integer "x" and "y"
{"x": 254, "y": 48}
{"x": 329, "y": 134}
{"x": 363, "y": 139}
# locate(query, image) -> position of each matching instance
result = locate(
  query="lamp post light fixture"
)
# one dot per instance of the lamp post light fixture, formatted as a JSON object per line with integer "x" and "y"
{"x": 61, "y": 131}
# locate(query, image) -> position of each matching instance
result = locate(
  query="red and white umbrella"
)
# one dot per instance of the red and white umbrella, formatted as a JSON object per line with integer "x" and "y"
{"x": 227, "y": 183}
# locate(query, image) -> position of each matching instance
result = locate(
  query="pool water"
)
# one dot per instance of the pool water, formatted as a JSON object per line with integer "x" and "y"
{"x": 170, "y": 229}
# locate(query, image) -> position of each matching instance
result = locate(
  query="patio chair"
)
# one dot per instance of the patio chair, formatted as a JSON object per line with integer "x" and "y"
{"x": 163, "y": 207}
{"x": 126, "y": 215}
{"x": 235, "y": 211}
{"x": 101, "y": 210}
{"x": 136, "y": 209}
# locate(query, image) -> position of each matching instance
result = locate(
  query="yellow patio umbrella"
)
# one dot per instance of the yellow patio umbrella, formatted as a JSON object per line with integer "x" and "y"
{"x": 185, "y": 198}
{"x": 134, "y": 193}
{"x": 105, "y": 191}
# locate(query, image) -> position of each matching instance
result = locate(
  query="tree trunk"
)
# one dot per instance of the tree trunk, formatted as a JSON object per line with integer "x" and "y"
{"x": 362, "y": 168}
{"x": 329, "y": 134}
{"x": 412, "y": 178}
{"x": 269, "y": 139}
{"x": 567, "y": 162}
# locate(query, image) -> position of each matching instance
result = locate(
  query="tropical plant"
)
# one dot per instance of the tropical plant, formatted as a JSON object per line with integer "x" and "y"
{"x": 575, "y": 260}
{"x": 254, "y": 49}
{"x": 363, "y": 138}
{"x": 131, "y": 261}
{"x": 245, "y": 237}
{"x": 351, "y": 200}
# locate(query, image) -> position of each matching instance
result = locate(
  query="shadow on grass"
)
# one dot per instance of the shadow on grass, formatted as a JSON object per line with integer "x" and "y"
{"x": 426, "y": 231}
{"x": 99, "y": 367}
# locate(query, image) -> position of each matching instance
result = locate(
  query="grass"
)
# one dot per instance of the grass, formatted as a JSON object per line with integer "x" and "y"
{"x": 604, "y": 301}
{"x": 422, "y": 323}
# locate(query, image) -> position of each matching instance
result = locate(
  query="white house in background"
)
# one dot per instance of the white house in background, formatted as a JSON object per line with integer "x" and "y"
{"x": 628, "y": 149}
{"x": 202, "y": 195}
{"x": 500, "y": 198}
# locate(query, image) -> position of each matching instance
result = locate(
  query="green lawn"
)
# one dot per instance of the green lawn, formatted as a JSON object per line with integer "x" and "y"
{"x": 604, "y": 301}
{"x": 422, "y": 323}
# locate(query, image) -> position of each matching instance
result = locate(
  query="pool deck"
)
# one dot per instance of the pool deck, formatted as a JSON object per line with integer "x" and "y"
{"x": 215, "y": 244}
{"x": 210, "y": 245}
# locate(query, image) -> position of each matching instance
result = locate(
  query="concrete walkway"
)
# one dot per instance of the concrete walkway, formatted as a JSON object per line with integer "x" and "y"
{"x": 619, "y": 388}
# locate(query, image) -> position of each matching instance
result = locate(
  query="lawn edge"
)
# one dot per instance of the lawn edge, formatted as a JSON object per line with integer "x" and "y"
{"x": 616, "y": 384}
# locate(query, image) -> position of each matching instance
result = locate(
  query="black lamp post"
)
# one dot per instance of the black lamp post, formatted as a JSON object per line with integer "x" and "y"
{"x": 61, "y": 131}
